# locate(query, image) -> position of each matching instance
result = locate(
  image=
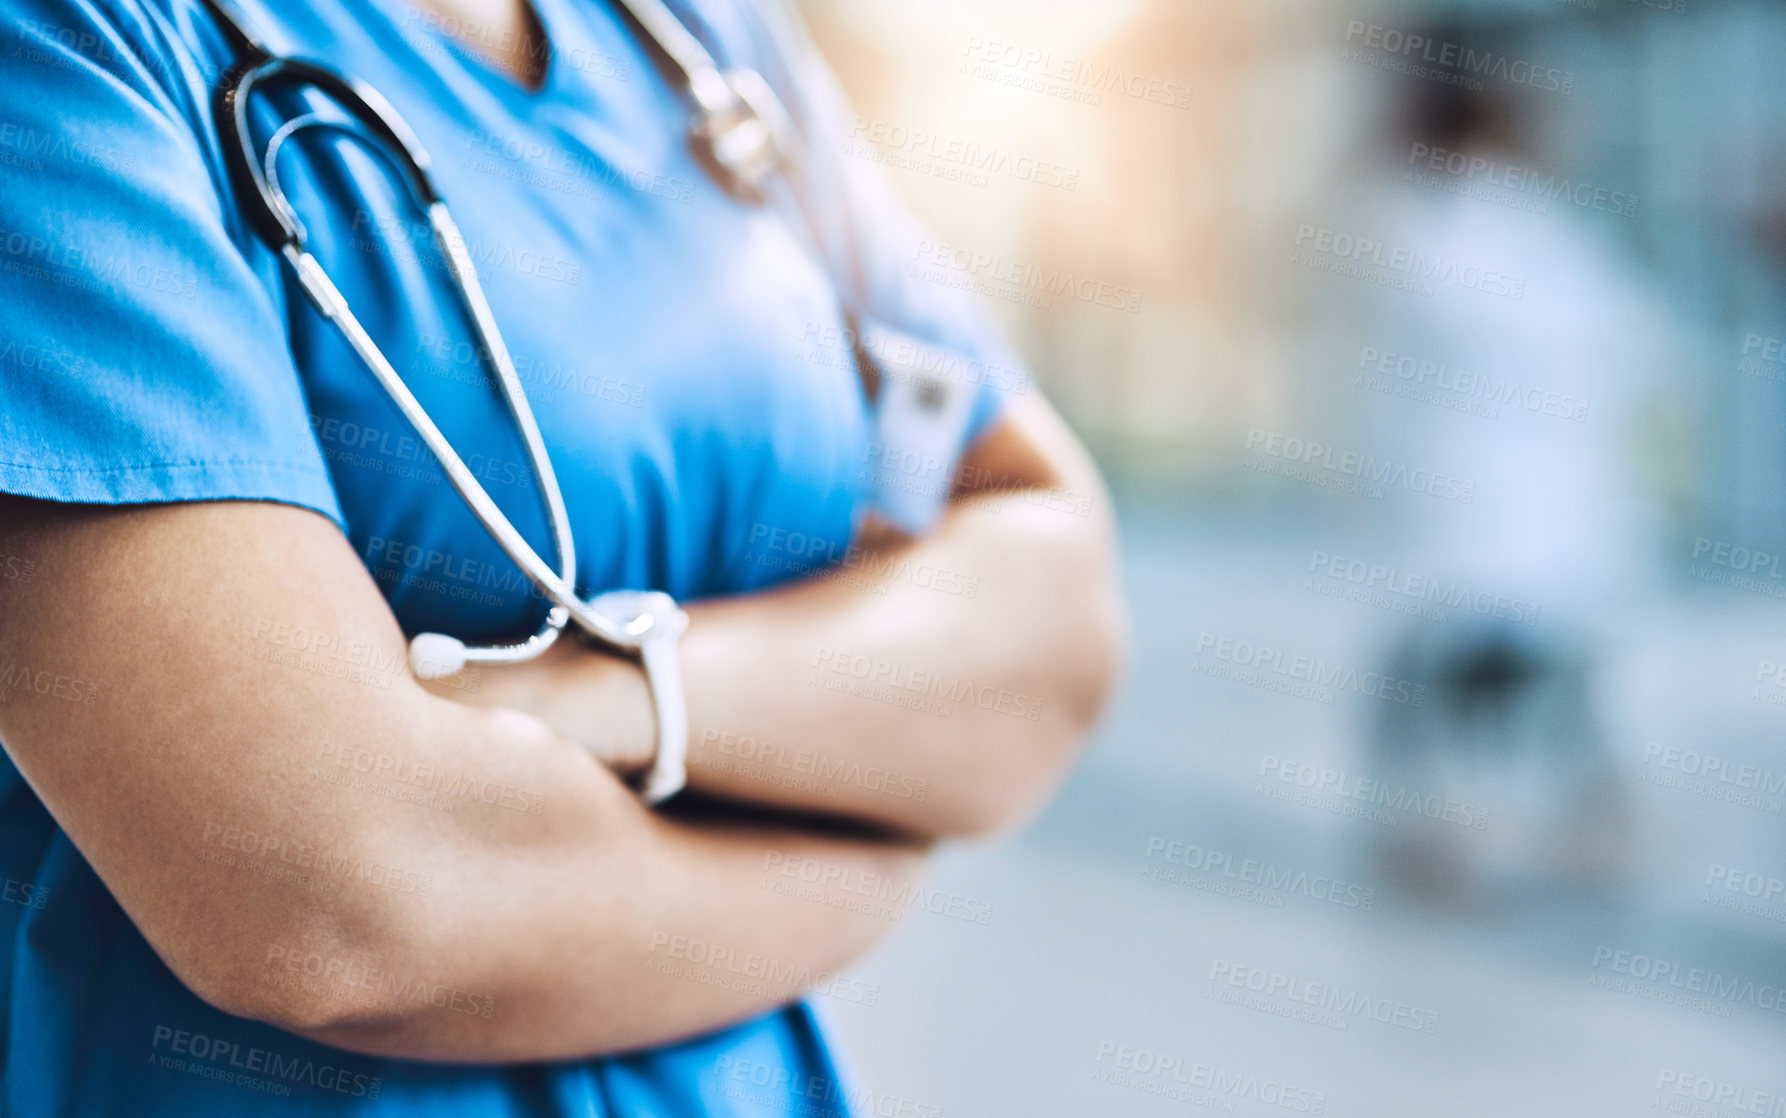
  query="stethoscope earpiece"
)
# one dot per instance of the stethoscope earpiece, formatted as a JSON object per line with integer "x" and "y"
{"x": 436, "y": 655}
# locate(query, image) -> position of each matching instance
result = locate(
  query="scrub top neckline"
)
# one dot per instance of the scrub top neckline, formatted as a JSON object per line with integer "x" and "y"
{"x": 473, "y": 61}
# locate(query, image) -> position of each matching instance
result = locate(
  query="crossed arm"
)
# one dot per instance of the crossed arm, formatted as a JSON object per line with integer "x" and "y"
{"x": 307, "y": 836}
{"x": 935, "y": 686}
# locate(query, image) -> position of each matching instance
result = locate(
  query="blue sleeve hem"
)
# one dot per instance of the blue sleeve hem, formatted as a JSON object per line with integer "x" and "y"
{"x": 285, "y": 483}
{"x": 989, "y": 408}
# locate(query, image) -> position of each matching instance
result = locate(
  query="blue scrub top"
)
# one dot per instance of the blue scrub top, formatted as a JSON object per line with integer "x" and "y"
{"x": 687, "y": 357}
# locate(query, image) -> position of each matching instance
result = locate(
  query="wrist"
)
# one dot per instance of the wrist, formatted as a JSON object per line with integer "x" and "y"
{"x": 614, "y": 715}
{"x": 649, "y": 624}
{"x": 594, "y": 698}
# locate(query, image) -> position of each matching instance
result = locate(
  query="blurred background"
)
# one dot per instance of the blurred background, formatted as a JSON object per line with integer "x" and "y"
{"x": 1433, "y": 351}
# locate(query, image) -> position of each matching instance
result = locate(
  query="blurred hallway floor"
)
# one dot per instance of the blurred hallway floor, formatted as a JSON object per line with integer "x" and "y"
{"x": 1101, "y": 953}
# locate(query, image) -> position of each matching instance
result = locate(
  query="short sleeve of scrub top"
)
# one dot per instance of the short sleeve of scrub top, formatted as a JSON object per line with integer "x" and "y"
{"x": 143, "y": 356}
{"x": 152, "y": 350}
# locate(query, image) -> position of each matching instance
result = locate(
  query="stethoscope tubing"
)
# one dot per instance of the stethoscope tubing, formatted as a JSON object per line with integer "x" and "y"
{"x": 389, "y": 136}
{"x": 736, "y": 112}
{"x": 557, "y": 588}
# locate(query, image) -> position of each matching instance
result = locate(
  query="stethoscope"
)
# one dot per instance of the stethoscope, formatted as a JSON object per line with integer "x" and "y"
{"x": 740, "y": 133}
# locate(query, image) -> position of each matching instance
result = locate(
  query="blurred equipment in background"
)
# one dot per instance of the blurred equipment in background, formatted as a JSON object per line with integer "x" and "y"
{"x": 1509, "y": 741}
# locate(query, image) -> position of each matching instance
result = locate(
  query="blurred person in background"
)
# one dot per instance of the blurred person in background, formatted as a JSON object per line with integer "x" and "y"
{"x": 1522, "y": 375}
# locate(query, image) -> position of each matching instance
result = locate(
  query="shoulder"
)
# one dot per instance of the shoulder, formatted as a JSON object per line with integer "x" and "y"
{"x": 167, "y": 51}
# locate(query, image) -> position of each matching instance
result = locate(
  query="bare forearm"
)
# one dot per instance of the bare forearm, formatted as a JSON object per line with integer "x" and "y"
{"x": 591, "y": 928}
{"x": 972, "y": 661}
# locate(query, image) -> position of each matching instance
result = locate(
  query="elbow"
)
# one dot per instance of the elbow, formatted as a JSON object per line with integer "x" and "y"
{"x": 296, "y": 985}
{"x": 1087, "y": 651}
{"x": 1099, "y": 659}
{"x": 250, "y": 984}
{"x": 1017, "y": 781}
{"x": 1091, "y": 656}
{"x": 304, "y": 969}
{"x": 300, "y": 1008}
